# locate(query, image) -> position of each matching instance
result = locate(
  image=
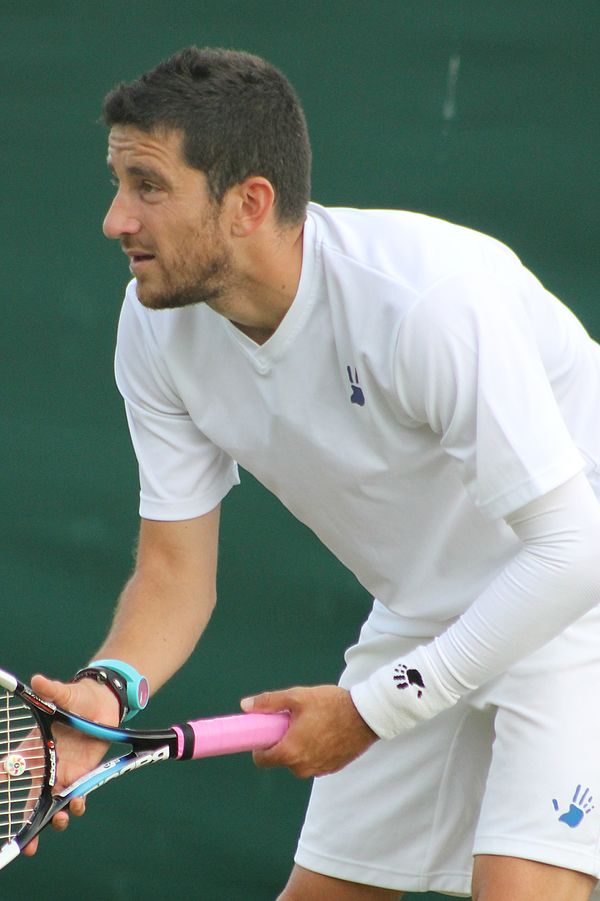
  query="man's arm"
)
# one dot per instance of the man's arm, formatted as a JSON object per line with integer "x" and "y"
{"x": 168, "y": 601}
{"x": 551, "y": 582}
{"x": 161, "y": 614}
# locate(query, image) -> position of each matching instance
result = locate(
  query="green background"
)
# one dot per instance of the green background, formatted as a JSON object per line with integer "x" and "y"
{"x": 484, "y": 112}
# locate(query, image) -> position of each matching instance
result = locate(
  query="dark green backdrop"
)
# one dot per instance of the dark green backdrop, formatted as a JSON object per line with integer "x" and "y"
{"x": 482, "y": 111}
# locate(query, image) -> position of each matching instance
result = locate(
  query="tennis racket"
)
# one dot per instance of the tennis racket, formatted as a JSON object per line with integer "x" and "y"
{"x": 28, "y": 759}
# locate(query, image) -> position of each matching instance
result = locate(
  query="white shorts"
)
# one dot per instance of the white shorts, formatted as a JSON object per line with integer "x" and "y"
{"x": 511, "y": 770}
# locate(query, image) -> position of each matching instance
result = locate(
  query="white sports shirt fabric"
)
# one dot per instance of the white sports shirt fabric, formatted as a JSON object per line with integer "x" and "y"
{"x": 422, "y": 387}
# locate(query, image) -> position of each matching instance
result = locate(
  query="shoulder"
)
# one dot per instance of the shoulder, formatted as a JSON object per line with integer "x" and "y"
{"x": 392, "y": 272}
{"x": 413, "y": 249}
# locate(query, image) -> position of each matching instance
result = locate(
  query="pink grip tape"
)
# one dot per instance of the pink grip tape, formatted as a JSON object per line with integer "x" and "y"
{"x": 231, "y": 734}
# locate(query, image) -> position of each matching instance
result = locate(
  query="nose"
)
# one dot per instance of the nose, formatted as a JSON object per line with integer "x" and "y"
{"x": 119, "y": 221}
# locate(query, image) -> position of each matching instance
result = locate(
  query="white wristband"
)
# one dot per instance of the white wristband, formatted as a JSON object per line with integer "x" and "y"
{"x": 401, "y": 694}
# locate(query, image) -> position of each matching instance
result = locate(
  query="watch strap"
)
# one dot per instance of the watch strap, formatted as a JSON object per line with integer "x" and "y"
{"x": 130, "y": 688}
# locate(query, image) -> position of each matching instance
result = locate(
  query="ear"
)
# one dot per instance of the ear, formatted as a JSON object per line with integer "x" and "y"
{"x": 249, "y": 204}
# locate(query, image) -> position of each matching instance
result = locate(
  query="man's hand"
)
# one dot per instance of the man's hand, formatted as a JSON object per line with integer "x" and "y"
{"x": 77, "y": 753}
{"x": 326, "y": 731}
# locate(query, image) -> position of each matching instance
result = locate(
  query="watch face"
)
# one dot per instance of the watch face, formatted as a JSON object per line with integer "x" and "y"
{"x": 143, "y": 693}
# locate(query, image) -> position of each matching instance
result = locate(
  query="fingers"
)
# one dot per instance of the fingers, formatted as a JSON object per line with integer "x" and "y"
{"x": 87, "y": 698}
{"x": 291, "y": 755}
{"x": 68, "y": 750}
{"x": 52, "y": 690}
{"x": 288, "y": 751}
{"x": 77, "y": 807}
{"x": 60, "y": 822}
{"x": 30, "y": 849}
{"x": 326, "y": 731}
{"x": 268, "y": 759}
{"x": 272, "y": 701}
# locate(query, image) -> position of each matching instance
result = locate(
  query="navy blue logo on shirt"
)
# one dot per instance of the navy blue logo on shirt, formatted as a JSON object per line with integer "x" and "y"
{"x": 580, "y": 805}
{"x": 357, "y": 396}
{"x": 404, "y": 677}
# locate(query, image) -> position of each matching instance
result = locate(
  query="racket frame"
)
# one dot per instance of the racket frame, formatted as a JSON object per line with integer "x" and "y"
{"x": 193, "y": 739}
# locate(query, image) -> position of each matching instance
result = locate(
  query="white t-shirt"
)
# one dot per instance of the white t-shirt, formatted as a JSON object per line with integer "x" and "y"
{"x": 422, "y": 386}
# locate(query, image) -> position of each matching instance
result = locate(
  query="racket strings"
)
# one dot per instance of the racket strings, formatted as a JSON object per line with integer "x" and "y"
{"x": 23, "y": 762}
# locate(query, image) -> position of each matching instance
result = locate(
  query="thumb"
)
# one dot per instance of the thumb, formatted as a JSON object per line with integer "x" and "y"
{"x": 60, "y": 693}
{"x": 269, "y": 702}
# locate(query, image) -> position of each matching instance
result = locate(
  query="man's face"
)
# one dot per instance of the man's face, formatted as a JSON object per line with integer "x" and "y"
{"x": 165, "y": 220}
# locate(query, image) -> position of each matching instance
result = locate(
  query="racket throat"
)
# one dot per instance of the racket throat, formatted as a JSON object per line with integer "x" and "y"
{"x": 110, "y": 770}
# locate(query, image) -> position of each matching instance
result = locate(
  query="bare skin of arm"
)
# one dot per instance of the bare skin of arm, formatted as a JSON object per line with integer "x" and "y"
{"x": 168, "y": 602}
{"x": 161, "y": 614}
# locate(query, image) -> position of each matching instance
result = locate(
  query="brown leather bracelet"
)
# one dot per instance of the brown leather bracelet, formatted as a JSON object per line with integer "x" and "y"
{"x": 106, "y": 676}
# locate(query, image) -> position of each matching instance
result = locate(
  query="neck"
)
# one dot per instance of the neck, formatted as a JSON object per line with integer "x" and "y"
{"x": 258, "y": 335}
{"x": 267, "y": 286}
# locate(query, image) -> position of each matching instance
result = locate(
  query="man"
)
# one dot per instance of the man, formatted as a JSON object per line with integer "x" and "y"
{"x": 412, "y": 393}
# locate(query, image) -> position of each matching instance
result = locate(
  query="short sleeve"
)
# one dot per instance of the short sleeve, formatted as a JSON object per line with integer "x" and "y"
{"x": 182, "y": 473}
{"x": 468, "y": 365}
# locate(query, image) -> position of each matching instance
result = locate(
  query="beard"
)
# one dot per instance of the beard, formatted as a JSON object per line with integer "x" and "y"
{"x": 202, "y": 271}
{"x": 184, "y": 285}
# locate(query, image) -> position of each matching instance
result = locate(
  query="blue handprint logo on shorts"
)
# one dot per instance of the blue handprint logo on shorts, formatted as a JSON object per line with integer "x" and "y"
{"x": 579, "y": 807}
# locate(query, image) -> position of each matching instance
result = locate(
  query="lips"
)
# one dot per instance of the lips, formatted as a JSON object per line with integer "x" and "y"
{"x": 137, "y": 253}
{"x": 139, "y": 259}
{"x": 139, "y": 256}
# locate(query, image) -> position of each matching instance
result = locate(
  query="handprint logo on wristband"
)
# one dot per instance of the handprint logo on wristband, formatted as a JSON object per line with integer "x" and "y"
{"x": 405, "y": 677}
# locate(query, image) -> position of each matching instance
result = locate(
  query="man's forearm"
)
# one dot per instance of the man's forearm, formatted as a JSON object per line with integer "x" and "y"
{"x": 165, "y": 606}
{"x": 551, "y": 582}
{"x": 156, "y": 627}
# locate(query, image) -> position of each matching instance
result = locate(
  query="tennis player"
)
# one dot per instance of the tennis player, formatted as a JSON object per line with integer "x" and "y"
{"x": 413, "y": 394}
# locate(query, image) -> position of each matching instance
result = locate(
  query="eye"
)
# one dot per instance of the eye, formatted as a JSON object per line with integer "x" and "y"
{"x": 149, "y": 190}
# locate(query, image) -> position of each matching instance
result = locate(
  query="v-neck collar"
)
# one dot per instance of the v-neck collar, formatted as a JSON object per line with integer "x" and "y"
{"x": 264, "y": 355}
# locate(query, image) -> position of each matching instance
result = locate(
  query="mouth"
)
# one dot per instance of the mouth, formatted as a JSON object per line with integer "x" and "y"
{"x": 139, "y": 261}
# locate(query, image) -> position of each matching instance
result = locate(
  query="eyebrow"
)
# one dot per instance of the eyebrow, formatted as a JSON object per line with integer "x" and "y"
{"x": 141, "y": 172}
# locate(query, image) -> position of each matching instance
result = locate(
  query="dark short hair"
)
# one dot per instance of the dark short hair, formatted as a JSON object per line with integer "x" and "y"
{"x": 239, "y": 116}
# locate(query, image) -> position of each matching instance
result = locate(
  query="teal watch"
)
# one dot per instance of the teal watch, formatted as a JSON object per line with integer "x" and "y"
{"x": 130, "y": 688}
